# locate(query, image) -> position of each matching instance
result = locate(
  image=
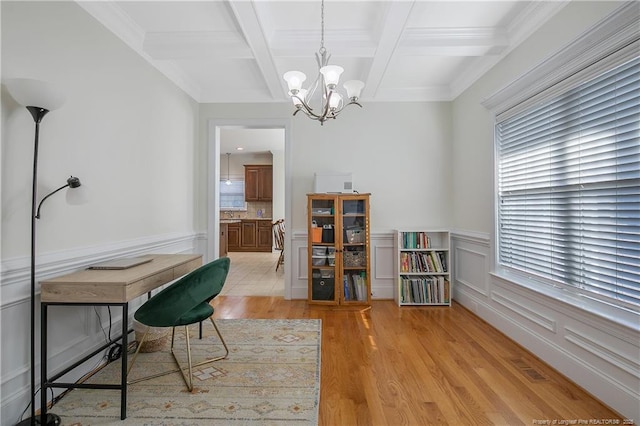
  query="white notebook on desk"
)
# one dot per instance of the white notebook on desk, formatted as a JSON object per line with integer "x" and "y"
{"x": 121, "y": 263}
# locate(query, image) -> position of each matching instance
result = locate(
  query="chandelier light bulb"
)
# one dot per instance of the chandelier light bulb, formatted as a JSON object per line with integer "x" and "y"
{"x": 331, "y": 75}
{"x": 294, "y": 80}
{"x": 334, "y": 100}
{"x": 353, "y": 88}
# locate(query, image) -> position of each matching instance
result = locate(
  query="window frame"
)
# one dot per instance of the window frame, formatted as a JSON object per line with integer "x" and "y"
{"x": 223, "y": 184}
{"x": 619, "y": 37}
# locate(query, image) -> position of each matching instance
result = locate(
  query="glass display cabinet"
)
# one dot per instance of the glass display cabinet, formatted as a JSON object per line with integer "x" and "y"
{"x": 338, "y": 249}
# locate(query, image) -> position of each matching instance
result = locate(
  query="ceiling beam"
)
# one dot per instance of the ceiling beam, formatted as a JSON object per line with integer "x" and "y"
{"x": 390, "y": 35}
{"x": 249, "y": 23}
{"x": 453, "y": 41}
{"x": 303, "y": 43}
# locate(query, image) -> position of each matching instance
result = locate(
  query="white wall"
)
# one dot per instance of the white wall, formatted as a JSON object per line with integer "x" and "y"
{"x": 278, "y": 184}
{"x": 126, "y": 131}
{"x": 398, "y": 152}
{"x": 599, "y": 354}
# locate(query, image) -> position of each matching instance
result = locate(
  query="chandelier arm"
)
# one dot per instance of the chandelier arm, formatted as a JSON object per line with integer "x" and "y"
{"x": 338, "y": 111}
{"x": 307, "y": 110}
{"x": 325, "y": 111}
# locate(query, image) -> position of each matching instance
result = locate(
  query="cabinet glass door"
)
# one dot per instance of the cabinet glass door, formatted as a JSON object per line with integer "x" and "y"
{"x": 355, "y": 253}
{"x": 322, "y": 240}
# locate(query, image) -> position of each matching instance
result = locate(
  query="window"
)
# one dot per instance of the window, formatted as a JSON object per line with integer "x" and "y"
{"x": 232, "y": 196}
{"x": 569, "y": 188}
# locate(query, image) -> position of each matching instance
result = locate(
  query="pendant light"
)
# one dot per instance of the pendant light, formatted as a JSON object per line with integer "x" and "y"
{"x": 228, "y": 181}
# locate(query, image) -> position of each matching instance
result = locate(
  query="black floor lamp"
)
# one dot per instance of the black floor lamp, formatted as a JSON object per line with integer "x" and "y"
{"x": 39, "y": 98}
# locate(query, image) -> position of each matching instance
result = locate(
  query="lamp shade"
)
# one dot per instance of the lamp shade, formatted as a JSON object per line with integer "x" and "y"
{"x": 294, "y": 80}
{"x": 334, "y": 100}
{"x": 35, "y": 93}
{"x": 353, "y": 88}
{"x": 331, "y": 74}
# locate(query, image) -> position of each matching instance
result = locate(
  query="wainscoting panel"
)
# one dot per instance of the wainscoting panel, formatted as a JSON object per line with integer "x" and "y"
{"x": 466, "y": 274}
{"x": 382, "y": 273}
{"x": 524, "y": 309}
{"x": 599, "y": 355}
{"x": 381, "y": 265}
{"x": 74, "y": 331}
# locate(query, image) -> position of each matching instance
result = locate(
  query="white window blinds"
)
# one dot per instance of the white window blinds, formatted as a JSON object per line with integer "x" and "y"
{"x": 232, "y": 195}
{"x": 569, "y": 188}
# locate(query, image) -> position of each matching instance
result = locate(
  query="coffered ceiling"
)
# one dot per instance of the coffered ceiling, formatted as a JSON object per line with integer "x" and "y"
{"x": 238, "y": 50}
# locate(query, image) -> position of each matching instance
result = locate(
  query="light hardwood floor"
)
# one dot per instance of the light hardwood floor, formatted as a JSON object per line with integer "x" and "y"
{"x": 425, "y": 366}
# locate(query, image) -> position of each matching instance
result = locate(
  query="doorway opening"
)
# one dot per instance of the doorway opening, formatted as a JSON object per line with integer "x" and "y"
{"x": 223, "y": 138}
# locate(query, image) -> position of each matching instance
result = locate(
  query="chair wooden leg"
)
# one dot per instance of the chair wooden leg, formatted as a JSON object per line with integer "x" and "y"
{"x": 280, "y": 259}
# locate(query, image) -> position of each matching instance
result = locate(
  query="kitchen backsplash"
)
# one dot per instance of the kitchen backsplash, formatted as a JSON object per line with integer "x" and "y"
{"x": 252, "y": 211}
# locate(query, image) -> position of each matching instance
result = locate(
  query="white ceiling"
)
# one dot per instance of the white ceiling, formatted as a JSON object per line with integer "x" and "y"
{"x": 250, "y": 140}
{"x": 238, "y": 50}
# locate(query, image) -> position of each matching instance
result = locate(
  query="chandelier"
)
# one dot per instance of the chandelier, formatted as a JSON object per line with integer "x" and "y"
{"x": 321, "y": 101}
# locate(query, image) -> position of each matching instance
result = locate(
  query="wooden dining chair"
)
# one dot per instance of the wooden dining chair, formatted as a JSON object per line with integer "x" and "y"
{"x": 278, "y": 238}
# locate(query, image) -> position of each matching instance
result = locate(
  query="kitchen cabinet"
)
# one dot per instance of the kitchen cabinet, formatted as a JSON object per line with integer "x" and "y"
{"x": 258, "y": 182}
{"x": 250, "y": 235}
{"x": 233, "y": 236}
{"x": 223, "y": 239}
{"x": 265, "y": 235}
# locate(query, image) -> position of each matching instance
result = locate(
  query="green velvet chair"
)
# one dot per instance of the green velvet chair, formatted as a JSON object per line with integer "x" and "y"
{"x": 183, "y": 303}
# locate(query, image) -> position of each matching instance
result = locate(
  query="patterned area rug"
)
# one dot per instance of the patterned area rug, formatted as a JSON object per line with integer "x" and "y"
{"x": 271, "y": 377}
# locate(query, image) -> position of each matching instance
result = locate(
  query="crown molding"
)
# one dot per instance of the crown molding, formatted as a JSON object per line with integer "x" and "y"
{"x": 618, "y": 30}
{"x": 534, "y": 16}
{"x": 195, "y": 44}
{"x": 109, "y": 14}
{"x": 453, "y": 41}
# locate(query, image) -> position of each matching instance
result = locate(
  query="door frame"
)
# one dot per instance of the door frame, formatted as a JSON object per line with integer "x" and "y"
{"x": 213, "y": 189}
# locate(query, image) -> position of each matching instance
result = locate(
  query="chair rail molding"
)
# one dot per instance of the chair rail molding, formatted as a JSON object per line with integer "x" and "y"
{"x": 79, "y": 330}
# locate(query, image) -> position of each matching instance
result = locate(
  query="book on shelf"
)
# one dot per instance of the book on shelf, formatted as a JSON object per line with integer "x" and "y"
{"x": 432, "y": 261}
{"x": 424, "y": 290}
{"x": 415, "y": 240}
{"x": 345, "y": 283}
{"x": 355, "y": 287}
{"x": 443, "y": 260}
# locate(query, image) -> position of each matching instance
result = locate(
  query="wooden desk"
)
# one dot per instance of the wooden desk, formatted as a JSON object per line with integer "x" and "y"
{"x": 106, "y": 288}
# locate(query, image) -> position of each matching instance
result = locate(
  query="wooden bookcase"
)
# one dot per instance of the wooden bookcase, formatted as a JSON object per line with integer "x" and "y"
{"x": 422, "y": 267}
{"x": 338, "y": 249}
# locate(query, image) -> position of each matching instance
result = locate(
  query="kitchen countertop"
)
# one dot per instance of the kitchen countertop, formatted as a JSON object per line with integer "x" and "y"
{"x": 238, "y": 220}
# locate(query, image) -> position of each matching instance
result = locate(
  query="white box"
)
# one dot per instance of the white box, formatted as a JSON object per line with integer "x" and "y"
{"x": 332, "y": 183}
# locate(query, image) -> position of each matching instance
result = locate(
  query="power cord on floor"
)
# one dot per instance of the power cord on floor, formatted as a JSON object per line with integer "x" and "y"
{"x": 115, "y": 352}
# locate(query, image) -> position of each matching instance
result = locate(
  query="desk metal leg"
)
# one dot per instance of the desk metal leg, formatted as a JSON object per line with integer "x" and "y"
{"x": 125, "y": 344}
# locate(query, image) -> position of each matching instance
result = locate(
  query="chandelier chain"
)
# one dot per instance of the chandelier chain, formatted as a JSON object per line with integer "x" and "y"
{"x": 322, "y": 26}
